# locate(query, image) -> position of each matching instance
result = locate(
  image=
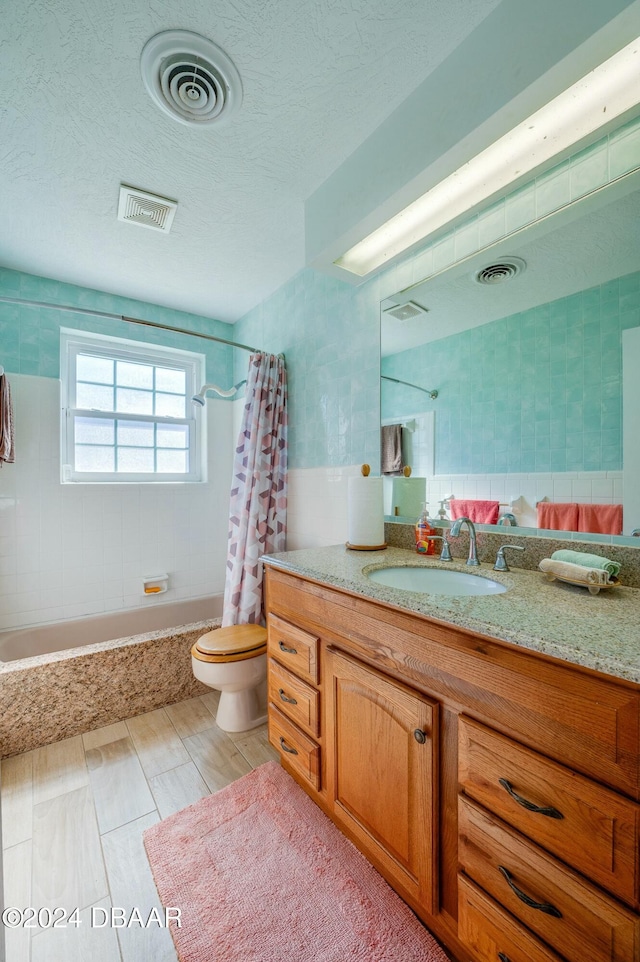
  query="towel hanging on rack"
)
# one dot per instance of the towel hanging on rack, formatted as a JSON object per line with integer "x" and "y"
{"x": 557, "y": 516}
{"x": 391, "y": 448}
{"x": 480, "y": 512}
{"x": 600, "y": 518}
{"x": 7, "y": 448}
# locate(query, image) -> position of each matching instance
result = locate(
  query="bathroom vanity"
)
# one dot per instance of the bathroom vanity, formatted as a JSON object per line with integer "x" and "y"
{"x": 483, "y": 753}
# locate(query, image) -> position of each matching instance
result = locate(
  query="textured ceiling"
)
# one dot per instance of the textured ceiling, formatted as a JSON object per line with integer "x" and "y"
{"x": 318, "y": 75}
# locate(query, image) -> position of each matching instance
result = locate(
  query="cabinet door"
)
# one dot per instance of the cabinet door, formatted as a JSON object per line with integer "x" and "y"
{"x": 381, "y": 742}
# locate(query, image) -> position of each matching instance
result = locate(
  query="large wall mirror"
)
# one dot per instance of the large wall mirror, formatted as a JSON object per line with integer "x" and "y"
{"x": 535, "y": 372}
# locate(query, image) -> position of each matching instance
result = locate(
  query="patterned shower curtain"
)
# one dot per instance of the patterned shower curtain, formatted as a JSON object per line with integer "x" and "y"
{"x": 258, "y": 506}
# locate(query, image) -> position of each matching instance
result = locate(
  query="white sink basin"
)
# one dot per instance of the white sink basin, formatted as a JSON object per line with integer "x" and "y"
{"x": 435, "y": 581}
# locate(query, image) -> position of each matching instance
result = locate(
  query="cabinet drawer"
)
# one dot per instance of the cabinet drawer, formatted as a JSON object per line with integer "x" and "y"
{"x": 295, "y": 748}
{"x": 569, "y": 913}
{"x": 294, "y": 648}
{"x": 592, "y": 828}
{"x": 491, "y": 933}
{"x": 294, "y": 698}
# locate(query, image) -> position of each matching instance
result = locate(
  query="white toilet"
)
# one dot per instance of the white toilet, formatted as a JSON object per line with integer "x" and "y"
{"x": 234, "y": 660}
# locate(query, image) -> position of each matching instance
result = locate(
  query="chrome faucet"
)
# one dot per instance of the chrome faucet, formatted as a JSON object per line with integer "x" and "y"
{"x": 508, "y": 519}
{"x": 455, "y": 531}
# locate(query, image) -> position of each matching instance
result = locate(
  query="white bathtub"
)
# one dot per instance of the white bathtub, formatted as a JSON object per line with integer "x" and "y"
{"x": 64, "y": 679}
{"x": 18, "y": 643}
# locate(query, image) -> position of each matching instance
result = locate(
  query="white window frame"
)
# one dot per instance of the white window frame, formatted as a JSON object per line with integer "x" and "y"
{"x": 73, "y": 343}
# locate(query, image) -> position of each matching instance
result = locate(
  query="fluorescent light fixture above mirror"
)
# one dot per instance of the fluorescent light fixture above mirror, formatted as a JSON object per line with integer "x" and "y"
{"x": 600, "y": 97}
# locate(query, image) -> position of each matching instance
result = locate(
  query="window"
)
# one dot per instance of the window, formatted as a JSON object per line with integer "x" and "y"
{"x": 127, "y": 412}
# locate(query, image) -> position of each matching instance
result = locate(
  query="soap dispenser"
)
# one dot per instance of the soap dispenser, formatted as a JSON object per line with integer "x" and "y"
{"x": 424, "y": 544}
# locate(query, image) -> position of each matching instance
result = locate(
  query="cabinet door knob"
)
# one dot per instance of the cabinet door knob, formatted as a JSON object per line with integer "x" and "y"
{"x": 547, "y": 810}
{"x": 285, "y": 747}
{"x": 420, "y": 736}
{"x": 289, "y": 651}
{"x": 545, "y": 907}
{"x": 289, "y": 701}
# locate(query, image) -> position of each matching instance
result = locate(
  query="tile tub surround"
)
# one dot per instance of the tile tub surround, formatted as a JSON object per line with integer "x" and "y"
{"x": 50, "y": 697}
{"x": 536, "y": 548}
{"x": 595, "y": 631}
{"x": 74, "y": 550}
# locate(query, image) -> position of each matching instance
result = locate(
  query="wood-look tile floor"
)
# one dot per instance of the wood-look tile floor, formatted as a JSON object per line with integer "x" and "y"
{"x": 73, "y": 814}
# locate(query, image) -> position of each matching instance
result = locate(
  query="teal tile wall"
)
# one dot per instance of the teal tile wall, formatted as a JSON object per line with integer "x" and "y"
{"x": 538, "y": 391}
{"x": 30, "y": 336}
{"x": 329, "y": 332}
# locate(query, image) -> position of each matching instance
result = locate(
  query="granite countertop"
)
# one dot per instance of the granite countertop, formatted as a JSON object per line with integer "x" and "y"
{"x": 597, "y": 631}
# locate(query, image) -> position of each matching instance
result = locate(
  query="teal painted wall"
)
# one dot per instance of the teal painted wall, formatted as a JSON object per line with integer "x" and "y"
{"x": 30, "y": 336}
{"x": 538, "y": 391}
{"x": 329, "y": 333}
{"x": 328, "y": 330}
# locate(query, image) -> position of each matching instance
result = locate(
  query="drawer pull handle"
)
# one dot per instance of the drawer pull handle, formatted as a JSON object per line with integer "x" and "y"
{"x": 285, "y": 747}
{"x": 289, "y": 701}
{"x": 289, "y": 651}
{"x": 545, "y": 907}
{"x": 503, "y": 957}
{"x": 547, "y": 810}
{"x": 420, "y": 736}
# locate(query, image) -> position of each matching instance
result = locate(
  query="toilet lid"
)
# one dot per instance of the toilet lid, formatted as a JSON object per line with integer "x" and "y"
{"x": 234, "y": 640}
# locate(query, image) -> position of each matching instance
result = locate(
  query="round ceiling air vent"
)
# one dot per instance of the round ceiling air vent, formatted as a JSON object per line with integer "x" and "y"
{"x": 190, "y": 78}
{"x": 501, "y": 271}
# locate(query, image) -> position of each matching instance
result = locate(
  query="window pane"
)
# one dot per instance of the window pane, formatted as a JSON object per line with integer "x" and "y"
{"x": 134, "y": 402}
{"x": 94, "y": 458}
{"x": 89, "y": 368}
{"x": 138, "y": 434}
{"x": 139, "y": 460}
{"x": 127, "y": 411}
{"x": 173, "y": 381}
{"x": 94, "y": 396}
{"x": 94, "y": 431}
{"x": 173, "y": 436}
{"x": 170, "y": 405}
{"x": 172, "y": 461}
{"x": 134, "y": 375}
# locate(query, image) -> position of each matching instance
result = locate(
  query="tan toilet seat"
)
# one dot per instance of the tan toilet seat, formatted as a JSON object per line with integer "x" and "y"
{"x": 234, "y": 643}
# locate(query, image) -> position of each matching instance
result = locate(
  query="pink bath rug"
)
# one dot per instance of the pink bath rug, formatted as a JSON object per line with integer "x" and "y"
{"x": 262, "y": 875}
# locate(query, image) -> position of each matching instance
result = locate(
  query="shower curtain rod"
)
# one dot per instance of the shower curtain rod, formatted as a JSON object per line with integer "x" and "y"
{"x": 432, "y": 394}
{"x": 130, "y": 320}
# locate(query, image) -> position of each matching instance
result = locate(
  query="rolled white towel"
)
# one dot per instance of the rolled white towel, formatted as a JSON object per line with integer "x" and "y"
{"x": 564, "y": 569}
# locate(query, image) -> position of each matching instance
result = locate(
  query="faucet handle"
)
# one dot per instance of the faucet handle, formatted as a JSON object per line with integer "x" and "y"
{"x": 501, "y": 561}
{"x": 445, "y": 554}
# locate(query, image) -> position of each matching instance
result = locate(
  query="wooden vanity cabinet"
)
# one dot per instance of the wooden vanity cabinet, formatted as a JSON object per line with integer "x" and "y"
{"x": 481, "y": 779}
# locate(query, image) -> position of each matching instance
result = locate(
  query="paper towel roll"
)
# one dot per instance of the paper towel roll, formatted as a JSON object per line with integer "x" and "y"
{"x": 408, "y": 496}
{"x": 365, "y": 517}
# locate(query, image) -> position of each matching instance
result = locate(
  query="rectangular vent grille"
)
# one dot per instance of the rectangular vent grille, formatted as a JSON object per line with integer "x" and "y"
{"x": 145, "y": 210}
{"x": 406, "y": 312}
